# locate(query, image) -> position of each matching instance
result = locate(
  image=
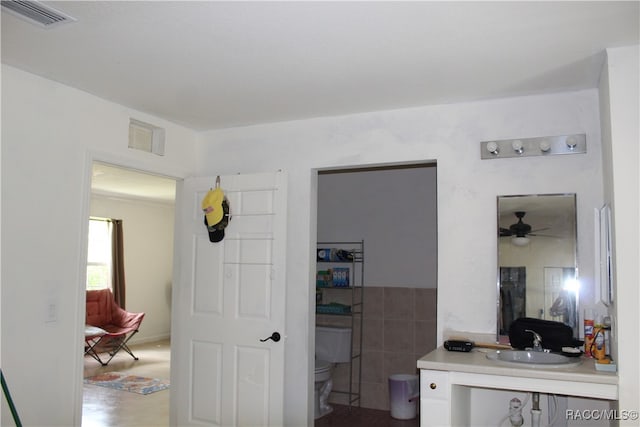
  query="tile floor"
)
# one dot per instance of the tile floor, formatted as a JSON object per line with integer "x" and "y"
{"x": 362, "y": 417}
{"x": 104, "y": 407}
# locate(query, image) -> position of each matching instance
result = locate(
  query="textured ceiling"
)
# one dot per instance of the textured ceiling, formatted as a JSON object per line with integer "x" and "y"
{"x": 209, "y": 65}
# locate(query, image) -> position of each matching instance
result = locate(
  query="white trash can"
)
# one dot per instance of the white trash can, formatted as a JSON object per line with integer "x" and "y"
{"x": 404, "y": 393}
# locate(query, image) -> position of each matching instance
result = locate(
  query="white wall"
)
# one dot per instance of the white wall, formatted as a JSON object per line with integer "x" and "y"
{"x": 467, "y": 190}
{"x": 621, "y": 156}
{"x": 50, "y": 135}
{"x": 394, "y": 211}
{"x": 48, "y": 128}
{"x": 148, "y": 259}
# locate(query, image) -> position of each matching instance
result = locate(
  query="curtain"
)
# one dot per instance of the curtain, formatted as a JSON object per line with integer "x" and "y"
{"x": 117, "y": 254}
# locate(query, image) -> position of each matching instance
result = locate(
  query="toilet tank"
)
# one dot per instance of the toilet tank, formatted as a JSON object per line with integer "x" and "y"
{"x": 333, "y": 344}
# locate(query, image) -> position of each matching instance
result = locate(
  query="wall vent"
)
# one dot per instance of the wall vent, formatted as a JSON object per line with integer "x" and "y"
{"x": 36, "y": 13}
{"x": 146, "y": 137}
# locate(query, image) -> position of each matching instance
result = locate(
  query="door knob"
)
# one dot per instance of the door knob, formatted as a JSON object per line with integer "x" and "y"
{"x": 274, "y": 336}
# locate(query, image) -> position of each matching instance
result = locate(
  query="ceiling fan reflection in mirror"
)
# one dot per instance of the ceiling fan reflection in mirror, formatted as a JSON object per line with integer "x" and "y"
{"x": 520, "y": 231}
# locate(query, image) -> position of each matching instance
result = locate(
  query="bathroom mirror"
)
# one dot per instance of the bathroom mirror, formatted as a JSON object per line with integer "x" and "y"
{"x": 537, "y": 253}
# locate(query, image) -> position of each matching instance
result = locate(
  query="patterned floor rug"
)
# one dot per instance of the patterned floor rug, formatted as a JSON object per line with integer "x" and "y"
{"x": 127, "y": 382}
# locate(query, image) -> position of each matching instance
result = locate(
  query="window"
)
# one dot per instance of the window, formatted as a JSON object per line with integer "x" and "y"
{"x": 99, "y": 254}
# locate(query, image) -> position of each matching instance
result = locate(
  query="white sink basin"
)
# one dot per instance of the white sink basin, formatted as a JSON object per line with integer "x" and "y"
{"x": 533, "y": 359}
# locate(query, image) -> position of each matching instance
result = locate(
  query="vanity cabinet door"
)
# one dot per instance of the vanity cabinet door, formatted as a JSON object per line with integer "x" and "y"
{"x": 435, "y": 398}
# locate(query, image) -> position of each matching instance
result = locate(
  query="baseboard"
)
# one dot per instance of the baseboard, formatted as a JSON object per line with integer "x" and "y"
{"x": 147, "y": 339}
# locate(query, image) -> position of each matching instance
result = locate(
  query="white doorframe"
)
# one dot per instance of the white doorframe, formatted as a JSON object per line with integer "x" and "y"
{"x": 314, "y": 188}
{"x": 118, "y": 161}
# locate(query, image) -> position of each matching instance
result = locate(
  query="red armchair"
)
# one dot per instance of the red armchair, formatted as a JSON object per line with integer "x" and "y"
{"x": 108, "y": 327}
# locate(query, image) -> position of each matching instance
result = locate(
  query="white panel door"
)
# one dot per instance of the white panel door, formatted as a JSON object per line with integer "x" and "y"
{"x": 229, "y": 296}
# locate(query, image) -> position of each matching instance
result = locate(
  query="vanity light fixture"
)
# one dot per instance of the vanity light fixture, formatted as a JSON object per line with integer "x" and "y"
{"x": 538, "y": 146}
{"x": 520, "y": 241}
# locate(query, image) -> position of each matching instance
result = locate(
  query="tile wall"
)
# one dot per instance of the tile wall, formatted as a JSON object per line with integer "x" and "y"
{"x": 399, "y": 327}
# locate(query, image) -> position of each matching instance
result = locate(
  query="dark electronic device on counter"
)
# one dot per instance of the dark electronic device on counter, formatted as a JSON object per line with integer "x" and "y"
{"x": 458, "y": 345}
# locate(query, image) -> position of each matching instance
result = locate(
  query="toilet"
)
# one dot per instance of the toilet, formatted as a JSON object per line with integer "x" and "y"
{"x": 333, "y": 345}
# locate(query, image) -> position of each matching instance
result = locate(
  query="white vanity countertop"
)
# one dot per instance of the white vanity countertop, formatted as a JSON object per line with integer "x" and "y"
{"x": 476, "y": 362}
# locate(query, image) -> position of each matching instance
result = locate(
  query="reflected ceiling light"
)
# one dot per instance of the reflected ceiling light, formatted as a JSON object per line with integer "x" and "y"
{"x": 571, "y": 285}
{"x": 520, "y": 241}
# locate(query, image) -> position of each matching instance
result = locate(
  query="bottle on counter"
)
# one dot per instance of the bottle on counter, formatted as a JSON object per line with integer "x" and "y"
{"x": 598, "y": 349}
{"x": 588, "y": 331}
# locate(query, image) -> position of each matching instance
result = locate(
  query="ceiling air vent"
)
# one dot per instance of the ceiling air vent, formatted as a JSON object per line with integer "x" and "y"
{"x": 36, "y": 13}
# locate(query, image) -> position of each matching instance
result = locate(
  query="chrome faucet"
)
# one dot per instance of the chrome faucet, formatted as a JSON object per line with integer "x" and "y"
{"x": 537, "y": 340}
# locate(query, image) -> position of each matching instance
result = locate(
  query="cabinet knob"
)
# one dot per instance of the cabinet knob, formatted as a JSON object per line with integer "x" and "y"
{"x": 432, "y": 386}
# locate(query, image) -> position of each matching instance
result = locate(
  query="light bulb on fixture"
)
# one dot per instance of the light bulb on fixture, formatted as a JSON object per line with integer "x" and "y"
{"x": 545, "y": 146}
{"x": 492, "y": 147}
{"x": 571, "y": 142}
{"x": 517, "y": 146}
{"x": 520, "y": 241}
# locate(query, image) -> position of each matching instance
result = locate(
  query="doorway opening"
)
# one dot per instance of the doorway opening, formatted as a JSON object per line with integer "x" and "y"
{"x": 393, "y": 210}
{"x": 145, "y": 203}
